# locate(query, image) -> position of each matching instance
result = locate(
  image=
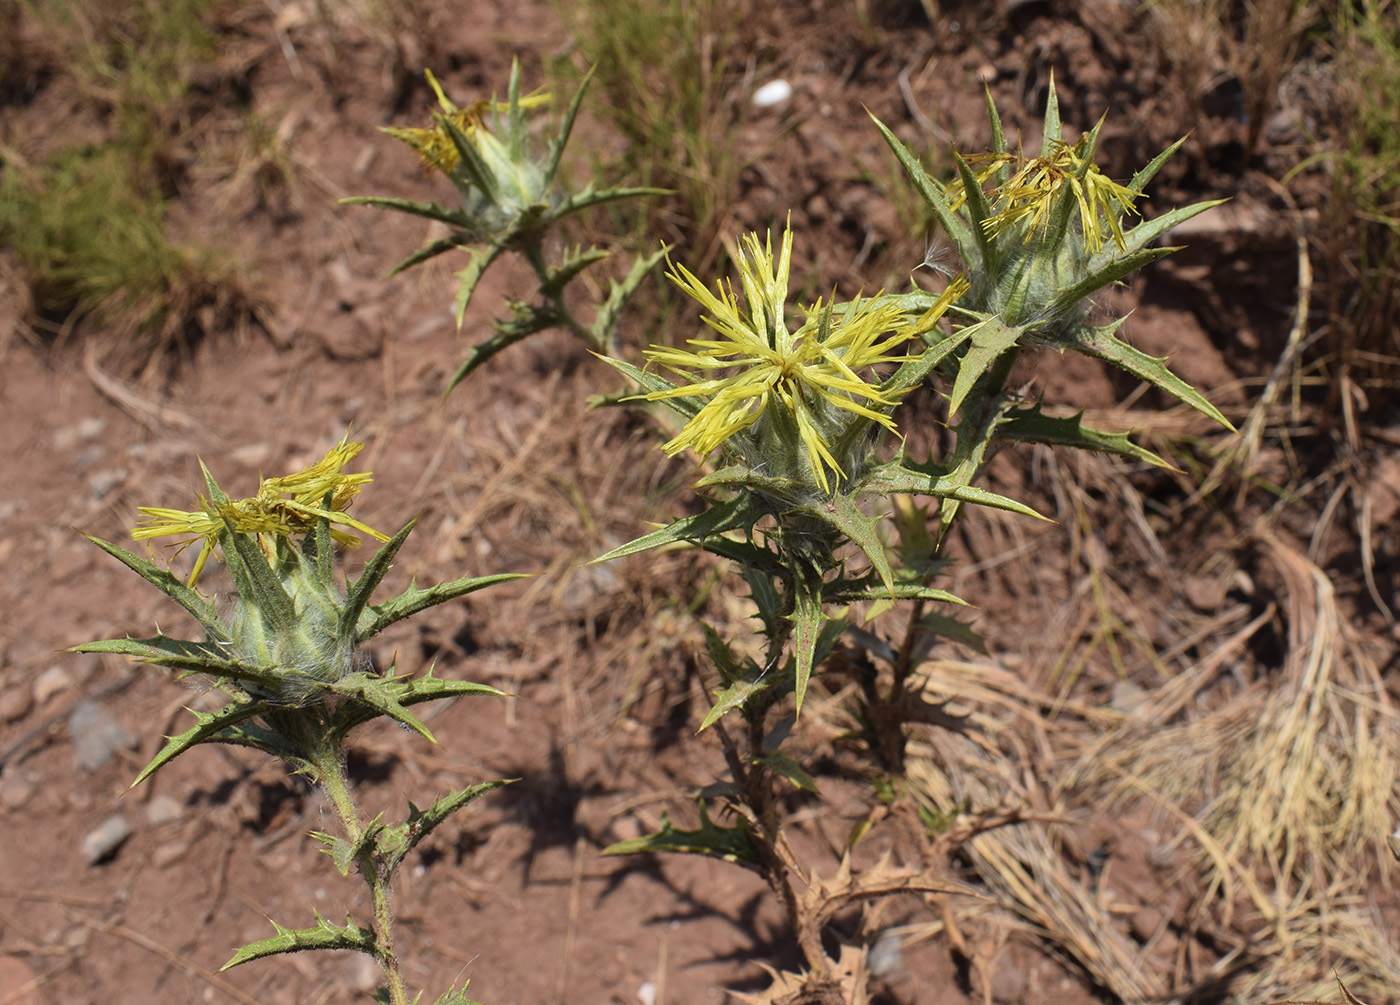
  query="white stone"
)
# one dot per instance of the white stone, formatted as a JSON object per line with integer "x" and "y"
{"x": 771, "y": 94}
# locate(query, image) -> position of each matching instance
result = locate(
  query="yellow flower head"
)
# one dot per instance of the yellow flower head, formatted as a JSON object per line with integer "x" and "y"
{"x": 284, "y": 506}
{"x": 435, "y": 147}
{"x": 1036, "y": 186}
{"x": 757, "y": 362}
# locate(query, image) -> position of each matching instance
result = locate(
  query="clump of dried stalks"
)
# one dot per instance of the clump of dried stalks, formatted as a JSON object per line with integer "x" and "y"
{"x": 1277, "y": 774}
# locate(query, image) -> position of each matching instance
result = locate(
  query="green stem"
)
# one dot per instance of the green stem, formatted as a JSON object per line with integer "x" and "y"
{"x": 534, "y": 253}
{"x": 330, "y": 764}
{"x": 767, "y": 829}
{"x": 979, "y": 412}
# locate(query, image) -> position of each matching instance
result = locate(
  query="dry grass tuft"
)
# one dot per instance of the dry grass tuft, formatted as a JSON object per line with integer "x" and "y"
{"x": 1287, "y": 787}
{"x": 1021, "y": 865}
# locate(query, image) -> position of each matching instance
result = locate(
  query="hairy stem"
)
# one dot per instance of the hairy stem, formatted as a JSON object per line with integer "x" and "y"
{"x": 330, "y": 763}
{"x": 757, "y": 783}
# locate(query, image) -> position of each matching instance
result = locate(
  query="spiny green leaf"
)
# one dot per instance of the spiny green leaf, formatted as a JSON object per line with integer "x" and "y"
{"x": 1147, "y": 231}
{"x": 1146, "y": 174}
{"x": 209, "y": 727}
{"x": 604, "y": 325}
{"x": 764, "y": 593}
{"x": 380, "y": 616}
{"x": 896, "y": 477}
{"x": 469, "y": 163}
{"x": 479, "y": 258}
{"x": 318, "y": 548}
{"x": 565, "y": 272}
{"x": 842, "y": 512}
{"x": 482, "y": 351}
{"x": 265, "y": 590}
{"x": 428, "y": 252}
{"x": 517, "y": 132}
{"x": 202, "y": 610}
{"x": 380, "y": 694}
{"x": 589, "y": 196}
{"x": 1051, "y": 130}
{"x": 323, "y": 936}
{"x": 407, "y": 693}
{"x": 729, "y": 698}
{"x": 430, "y": 210}
{"x": 742, "y": 679}
{"x": 732, "y": 844}
{"x": 733, "y": 514}
{"x": 1065, "y": 299}
{"x": 847, "y": 591}
{"x": 566, "y": 127}
{"x": 914, "y": 370}
{"x": 958, "y": 231}
{"x": 1100, "y": 342}
{"x": 722, "y": 656}
{"x": 178, "y": 654}
{"x": 403, "y": 839}
{"x": 1003, "y": 171}
{"x": 344, "y": 853}
{"x": 979, "y": 212}
{"x": 781, "y": 764}
{"x": 807, "y": 619}
{"x": 357, "y": 597}
{"x": 454, "y": 997}
{"x": 1034, "y": 425}
{"x": 990, "y": 338}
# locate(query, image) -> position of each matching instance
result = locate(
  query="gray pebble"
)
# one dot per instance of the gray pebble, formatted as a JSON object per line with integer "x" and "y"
{"x": 15, "y": 703}
{"x": 51, "y": 682}
{"x": 100, "y": 483}
{"x": 95, "y": 735}
{"x": 15, "y": 791}
{"x": 164, "y": 809}
{"x": 102, "y": 841}
{"x": 1008, "y": 985}
{"x": 68, "y": 437}
{"x": 886, "y": 960}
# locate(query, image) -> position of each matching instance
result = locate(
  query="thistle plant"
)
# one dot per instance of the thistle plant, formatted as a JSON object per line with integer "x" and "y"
{"x": 808, "y": 462}
{"x": 1038, "y": 238}
{"x": 510, "y": 201}
{"x": 290, "y": 659}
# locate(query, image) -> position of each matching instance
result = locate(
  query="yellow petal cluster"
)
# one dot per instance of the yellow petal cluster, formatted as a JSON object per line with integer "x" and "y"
{"x": 434, "y": 145}
{"x": 756, "y": 362}
{"x": 1036, "y": 186}
{"x": 284, "y": 506}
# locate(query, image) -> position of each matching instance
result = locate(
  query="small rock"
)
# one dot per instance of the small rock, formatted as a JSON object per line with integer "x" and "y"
{"x": 102, "y": 842}
{"x": 52, "y": 681}
{"x": 168, "y": 853}
{"x": 772, "y": 94}
{"x": 1008, "y": 985}
{"x": 164, "y": 809}
{"x": 1145, "y": 923}
{"x": 253, "y": 455}
{"x": 15, "y": 703}
{"x": 96, "y": 735}
{"x": 886, "y": 959}
{"x": 101, "y": 483}
{"x": 1204, "y": 593}
{"x": 15, "y": 791}
{"x": 82, "y": 431}
{"x": 1128, "y": 697}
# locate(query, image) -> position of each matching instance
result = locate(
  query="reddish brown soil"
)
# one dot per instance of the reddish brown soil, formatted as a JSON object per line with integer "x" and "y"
{"x": 511, "y": 473}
